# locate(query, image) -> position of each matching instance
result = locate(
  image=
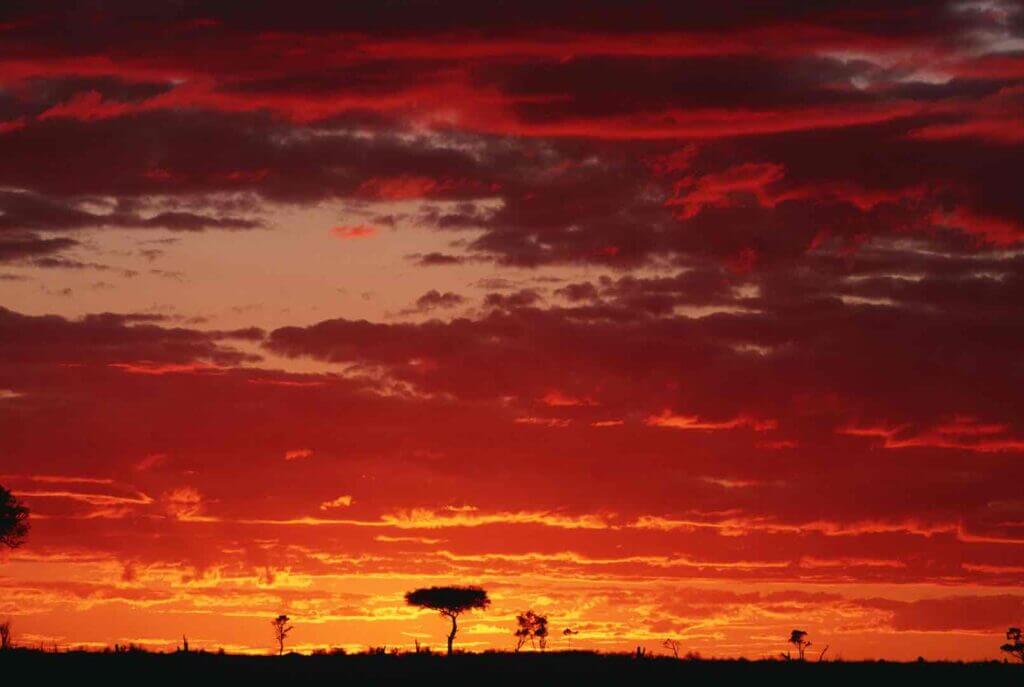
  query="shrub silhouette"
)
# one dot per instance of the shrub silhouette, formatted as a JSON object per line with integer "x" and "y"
{"x": 5, "y": 635}
{"x": 13, "y": 520}
{"x": 450, "y": 602}
{"x": 1014, "y": 643}
{"x": 281, "y": 630}
{"x": 798, "y": 638}
{"x": 533, "y": 628}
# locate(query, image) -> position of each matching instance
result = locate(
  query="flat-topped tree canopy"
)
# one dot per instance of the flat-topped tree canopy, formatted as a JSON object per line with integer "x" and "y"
{"x": 449, "y": 602}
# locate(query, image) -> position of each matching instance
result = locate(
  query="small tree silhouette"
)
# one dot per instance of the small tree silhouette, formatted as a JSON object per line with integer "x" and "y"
{"x": 450, "y": 602}
{"x": 13, "y": 520}
{"x": 568, "y": 633}
{"x": 798, "y": 638}
{"x": 5, "y": 635}
{"x": 672, "y": 645}
{"x": 281, "y": 630}
{"x": 533, "y": 628}
{"x": 1014, "y": 643}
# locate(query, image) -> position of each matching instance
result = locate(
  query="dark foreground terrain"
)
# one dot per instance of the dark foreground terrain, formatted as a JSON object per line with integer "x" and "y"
{"x": 528, "y": 669}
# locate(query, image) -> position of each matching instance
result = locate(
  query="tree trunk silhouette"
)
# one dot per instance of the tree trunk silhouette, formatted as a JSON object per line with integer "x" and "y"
{"x": 451, "y": 637}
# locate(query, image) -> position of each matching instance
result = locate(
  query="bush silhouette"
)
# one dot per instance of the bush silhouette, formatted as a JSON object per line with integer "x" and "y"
{"x": 1014, "y": 643}
{"x": 533, "y": 628}
{"x": 798, "y": 638}
{"x": 13, "y": 520}
{"x": 281, "y": 630}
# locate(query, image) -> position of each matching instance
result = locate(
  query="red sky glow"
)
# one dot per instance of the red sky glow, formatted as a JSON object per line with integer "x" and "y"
{"x": 664, "y": 319}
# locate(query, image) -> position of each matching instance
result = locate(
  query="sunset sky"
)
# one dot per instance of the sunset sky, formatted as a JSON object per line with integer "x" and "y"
{"x": 664, "y": 319}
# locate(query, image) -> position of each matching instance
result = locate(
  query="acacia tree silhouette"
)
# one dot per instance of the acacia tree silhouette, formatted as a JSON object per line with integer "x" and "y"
{"x": 798, "y": 638}
{"x": 450, "y": 602}
{"x": 281, "y": 630}
{"x": 1014, "y": 643}
{"x": 13, "y": 520}
{"x": 533, "y": 628}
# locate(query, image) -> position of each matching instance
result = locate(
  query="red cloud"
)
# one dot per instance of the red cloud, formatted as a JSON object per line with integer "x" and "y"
{"x": 695, "y": 193}
{"x": 543, "y": 421}
{"x": 668, "y": 419}
{"x": 352, "y": 231}
{"x": 557, "y": 399}
{"x": 151, "y": 368}
{"x": 962, "y": 433}
{"x": 401, "y": 188}
{"x": 986, "y": 229}
{"x": 408, "y": 187}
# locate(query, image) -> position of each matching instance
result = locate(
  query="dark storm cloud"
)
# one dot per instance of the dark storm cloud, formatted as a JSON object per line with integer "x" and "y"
{"x": 18, "y": 246}
{"x": 112, "y": 338}
{"x": 122, "y": 18}
{"x": 280, "y": 104}
{"x": 21, "y": 212}
{"x": 435, "y": 300}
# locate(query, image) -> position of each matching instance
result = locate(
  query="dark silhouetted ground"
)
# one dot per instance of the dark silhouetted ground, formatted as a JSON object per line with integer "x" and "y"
{"x": 570, "y": 669}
